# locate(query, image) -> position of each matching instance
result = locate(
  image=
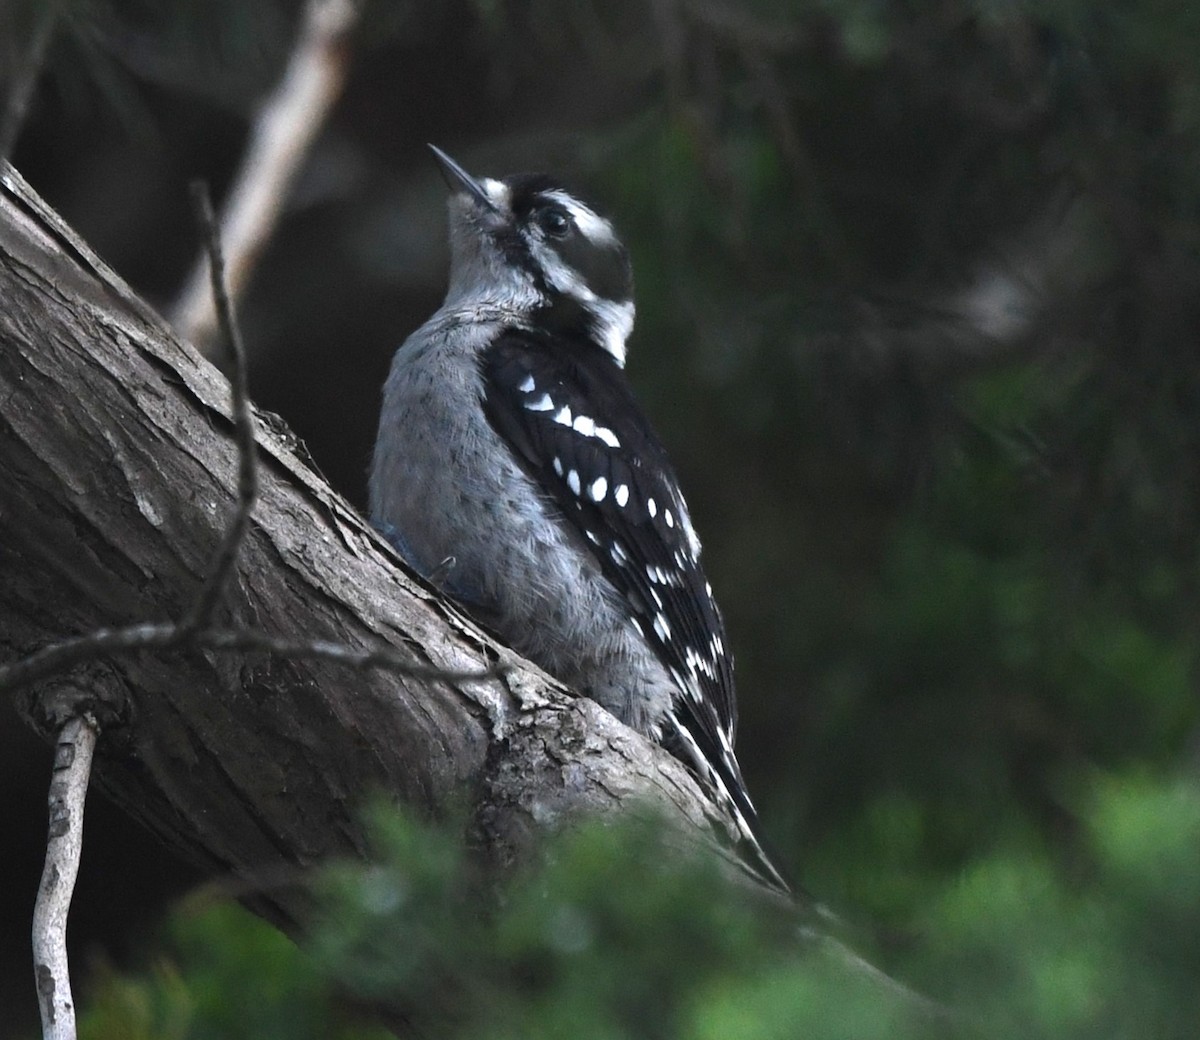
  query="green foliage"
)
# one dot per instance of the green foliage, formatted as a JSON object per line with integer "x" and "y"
{"x": 618, "y": 937}
{"x": 223, "y": 975}
{"x": 612, "y": 937}
{"x": 1103, "y": 950}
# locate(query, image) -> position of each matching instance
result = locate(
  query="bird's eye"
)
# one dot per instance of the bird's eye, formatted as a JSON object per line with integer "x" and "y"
{"x": 555, "y": 223}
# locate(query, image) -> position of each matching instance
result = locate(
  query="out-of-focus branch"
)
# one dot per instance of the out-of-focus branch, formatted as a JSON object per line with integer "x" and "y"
{"x": 64, "y": 843}
{"x": 1008, "y": 298}
{"x": 24, "y": 79}
{"x": 283, "y": 133}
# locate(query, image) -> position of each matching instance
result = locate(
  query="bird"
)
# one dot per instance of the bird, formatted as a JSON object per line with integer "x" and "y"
{"x": 514, "y": 468}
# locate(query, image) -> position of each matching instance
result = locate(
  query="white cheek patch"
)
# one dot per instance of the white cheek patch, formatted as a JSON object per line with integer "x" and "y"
{"x": 615, "y": 322}
{"x": 614, "y": 319}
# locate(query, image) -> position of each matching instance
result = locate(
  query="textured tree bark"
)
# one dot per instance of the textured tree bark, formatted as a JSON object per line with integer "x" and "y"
{"x": 117, "y": 469}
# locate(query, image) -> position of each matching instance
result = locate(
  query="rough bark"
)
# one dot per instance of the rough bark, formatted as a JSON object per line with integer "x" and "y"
{"x": 117, "y": 469}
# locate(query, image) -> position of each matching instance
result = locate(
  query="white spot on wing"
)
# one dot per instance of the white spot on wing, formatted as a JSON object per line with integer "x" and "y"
{"x": 662, "y": 627}
{"x": 598, "y": 489}
{"x": 563, "y": 416}
{"x": 693, "y": 540}
{"x": 684, "y": 685}
{"x": 573, "y": 481}
{"x": 558, "y": 466}
{"x": 652, "y": 508}
{"x": 621, "y": 494}
{"x": 583, "y": 424}
{"x": 527, "y": 384}
{"x": 668, "y": 518}
{"x": 542, "y": 404}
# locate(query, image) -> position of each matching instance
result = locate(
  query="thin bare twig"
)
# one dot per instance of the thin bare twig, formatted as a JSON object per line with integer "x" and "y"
{"x": 58, "y": 657}
{"x": 20, "y": 91}
{"x": 64, "y": 843}
{"x": 380, "y": 656}
{"x": 284, "y": 131}
{"x": 243, "y": 419}
{"x": 51, "y": 660}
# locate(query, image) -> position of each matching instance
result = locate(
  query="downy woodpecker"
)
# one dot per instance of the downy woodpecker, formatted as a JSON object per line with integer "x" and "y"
{"x": 514, "y": 464}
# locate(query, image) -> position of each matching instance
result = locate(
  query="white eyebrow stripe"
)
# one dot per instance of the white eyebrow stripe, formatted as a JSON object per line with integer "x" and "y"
{"x": 593, "y": 226}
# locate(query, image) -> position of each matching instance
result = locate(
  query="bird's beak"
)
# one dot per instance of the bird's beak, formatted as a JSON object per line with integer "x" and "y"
{"x": 458, "y": 179}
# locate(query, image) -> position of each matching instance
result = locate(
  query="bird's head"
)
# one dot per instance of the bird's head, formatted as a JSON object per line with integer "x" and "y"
{"x": 526, "y": 243}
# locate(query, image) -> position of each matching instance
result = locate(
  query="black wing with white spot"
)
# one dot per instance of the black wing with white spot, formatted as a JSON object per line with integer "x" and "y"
{"x": 568, "y": 413}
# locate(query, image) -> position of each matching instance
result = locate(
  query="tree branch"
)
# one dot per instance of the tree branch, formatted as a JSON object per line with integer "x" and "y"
{"x": 64, "y": 843}
{"x": 283, "y": 133}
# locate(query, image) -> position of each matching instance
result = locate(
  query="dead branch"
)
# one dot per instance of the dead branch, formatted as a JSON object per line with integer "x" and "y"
{"x": 64, "y": 843}
{"x": 283, "y": 133}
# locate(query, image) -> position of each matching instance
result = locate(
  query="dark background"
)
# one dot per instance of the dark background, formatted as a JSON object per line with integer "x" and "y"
{"x": 918, "y": 301}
